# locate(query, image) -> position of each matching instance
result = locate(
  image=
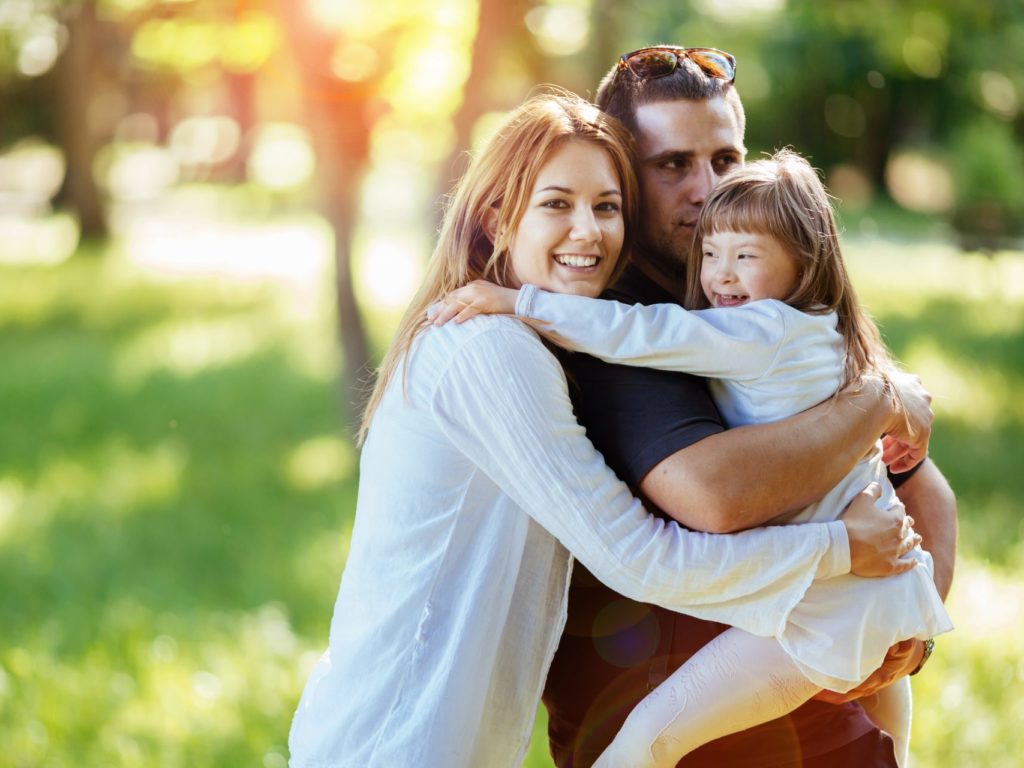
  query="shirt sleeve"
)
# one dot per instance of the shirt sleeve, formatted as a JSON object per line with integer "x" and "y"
{"x": 502, "y": 400}
{"x": 737, "y": 343}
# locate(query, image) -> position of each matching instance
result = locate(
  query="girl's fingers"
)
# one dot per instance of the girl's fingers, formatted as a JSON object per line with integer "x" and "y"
{"x": 466, "y": 313}
{"x": 449, "y": 309}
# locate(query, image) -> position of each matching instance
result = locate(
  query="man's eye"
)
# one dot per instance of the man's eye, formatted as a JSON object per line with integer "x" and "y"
{"x": 675, "y": 163}
{"x": 725, "y": 163}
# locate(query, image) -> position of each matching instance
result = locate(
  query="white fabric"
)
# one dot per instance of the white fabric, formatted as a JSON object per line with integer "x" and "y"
{"x": 771, "y": 361}
{"x": 474, "y": 489}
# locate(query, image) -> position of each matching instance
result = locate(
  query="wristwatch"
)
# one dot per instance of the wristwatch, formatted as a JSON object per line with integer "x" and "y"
{"x": 929, "y": 647}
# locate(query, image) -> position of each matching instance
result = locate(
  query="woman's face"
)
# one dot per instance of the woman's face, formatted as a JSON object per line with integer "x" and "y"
{"x": 571, "y": 234}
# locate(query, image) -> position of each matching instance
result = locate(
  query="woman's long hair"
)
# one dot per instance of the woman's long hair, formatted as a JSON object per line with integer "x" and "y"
{"x": 499, "y": 183}
{"x": 783, "y": 197}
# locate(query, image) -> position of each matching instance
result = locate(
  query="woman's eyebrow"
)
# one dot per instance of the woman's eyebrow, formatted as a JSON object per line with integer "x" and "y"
{"x": 569, "y": 191}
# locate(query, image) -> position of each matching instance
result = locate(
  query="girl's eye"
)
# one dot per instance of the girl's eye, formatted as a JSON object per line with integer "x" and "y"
{"x": 745, "y": 256}
{"x": 708, "y": 255}
{"x": 554, "y": 204}
{"x": 608, "y": 207}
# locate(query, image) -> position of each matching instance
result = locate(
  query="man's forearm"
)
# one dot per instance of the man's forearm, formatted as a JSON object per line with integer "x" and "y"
{"x": 930, "y": 501}
{"x": 744, "y": 477}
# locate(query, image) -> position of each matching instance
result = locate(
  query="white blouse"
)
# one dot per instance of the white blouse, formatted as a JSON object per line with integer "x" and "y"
{"x": 477, "y": 487}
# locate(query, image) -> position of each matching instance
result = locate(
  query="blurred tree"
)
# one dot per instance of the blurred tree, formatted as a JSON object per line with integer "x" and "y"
{"x": 341, "y": 116}
{"x": 76, "y": 76}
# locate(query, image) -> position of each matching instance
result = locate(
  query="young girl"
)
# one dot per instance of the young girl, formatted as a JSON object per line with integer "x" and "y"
{"x": 777, "y": 325}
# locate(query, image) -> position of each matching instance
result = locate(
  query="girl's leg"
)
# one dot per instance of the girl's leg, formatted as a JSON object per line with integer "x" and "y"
{"x": 734, "y": 682}
{"x": 890, "y": 709}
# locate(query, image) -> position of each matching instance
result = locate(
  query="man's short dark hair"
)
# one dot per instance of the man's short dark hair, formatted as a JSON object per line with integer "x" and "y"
{"x": 621, "y": 92}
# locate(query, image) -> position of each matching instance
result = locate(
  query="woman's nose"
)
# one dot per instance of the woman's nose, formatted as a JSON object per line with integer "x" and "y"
{"x": 584, "y": 226}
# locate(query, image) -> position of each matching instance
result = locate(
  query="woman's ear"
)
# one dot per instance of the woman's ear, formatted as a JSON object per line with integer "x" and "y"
{"x": 490, "y": 224}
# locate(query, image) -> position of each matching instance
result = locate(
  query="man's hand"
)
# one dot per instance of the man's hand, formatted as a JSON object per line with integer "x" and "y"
{"x": 902, "y": 659}
{"x": 480, "y": 297}
{"x": 879, "y": 538}
{"x": 906, "y": 441}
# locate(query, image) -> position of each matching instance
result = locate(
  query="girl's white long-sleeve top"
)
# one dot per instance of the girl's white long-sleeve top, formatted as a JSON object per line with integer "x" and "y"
{"x": 477, "y": 487}
{"x": 769, "y": 361}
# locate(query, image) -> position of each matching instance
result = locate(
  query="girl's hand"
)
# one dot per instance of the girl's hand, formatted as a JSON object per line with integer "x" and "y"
{"x": 480, "y": 297}
{"x": 879, "y": 538}
{"x": 906, "y": 441}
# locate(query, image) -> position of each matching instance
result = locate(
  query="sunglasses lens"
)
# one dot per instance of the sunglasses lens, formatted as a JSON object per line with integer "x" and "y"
{"x": 651, "y": 63}
{"x": 715, "y": 64}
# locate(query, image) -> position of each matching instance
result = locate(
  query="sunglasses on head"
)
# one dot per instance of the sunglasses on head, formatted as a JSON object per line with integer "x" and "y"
{"x": 662, "y": 60}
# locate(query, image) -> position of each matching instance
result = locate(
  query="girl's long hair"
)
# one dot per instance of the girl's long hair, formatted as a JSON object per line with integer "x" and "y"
{"x": 499, "y": 183}
{"x": 783, "y": 197}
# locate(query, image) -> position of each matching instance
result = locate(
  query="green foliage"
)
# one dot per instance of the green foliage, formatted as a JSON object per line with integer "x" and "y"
{"x": 990, "y": 197}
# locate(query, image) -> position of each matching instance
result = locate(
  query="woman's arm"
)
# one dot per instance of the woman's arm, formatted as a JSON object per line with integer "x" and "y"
{"x": 502, "y": 400}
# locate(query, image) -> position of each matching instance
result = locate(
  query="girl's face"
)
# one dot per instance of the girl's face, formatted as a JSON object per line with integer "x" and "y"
{"x": 571, "y": 234}
{"x": 738, "y": 267}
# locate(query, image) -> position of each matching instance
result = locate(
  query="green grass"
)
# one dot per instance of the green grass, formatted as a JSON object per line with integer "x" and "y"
{"x": 175, "y": 502}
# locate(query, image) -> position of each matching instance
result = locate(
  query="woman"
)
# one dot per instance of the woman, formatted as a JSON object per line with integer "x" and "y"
{"x": 476, "y": 484}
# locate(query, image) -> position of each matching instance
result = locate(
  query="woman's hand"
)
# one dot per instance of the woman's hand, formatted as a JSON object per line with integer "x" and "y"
{"x": 480, "y": 297}
{"x": 878, "y": 537}
{"x": 905, "y": 444}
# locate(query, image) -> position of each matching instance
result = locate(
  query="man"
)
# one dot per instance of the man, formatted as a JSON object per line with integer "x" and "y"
{"x": 662, "y": 434}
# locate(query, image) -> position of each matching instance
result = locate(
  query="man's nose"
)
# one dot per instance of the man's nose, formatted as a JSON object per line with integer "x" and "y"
{"x": 702, "y": 180}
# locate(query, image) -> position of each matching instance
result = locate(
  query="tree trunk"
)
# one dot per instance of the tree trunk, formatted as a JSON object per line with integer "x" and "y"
{"x": 341, "y": 115}
{"x": 75, "y": 73}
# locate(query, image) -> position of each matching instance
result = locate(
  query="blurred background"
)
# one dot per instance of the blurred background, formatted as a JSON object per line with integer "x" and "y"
{"x": 211, "y": 217}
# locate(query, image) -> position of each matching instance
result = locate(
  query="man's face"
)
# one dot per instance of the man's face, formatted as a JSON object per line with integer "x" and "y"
{"x": 684, "y": 147}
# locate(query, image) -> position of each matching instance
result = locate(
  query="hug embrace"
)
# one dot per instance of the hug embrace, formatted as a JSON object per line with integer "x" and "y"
{"x": 551, "y": 506}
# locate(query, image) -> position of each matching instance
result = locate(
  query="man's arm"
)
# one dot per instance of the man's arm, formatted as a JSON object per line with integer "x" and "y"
{"x": 930, "y": 501}
{"x": 741, "y": 478}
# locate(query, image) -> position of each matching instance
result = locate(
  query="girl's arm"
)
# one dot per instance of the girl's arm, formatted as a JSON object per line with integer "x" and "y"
{"x": 731, "y": 343}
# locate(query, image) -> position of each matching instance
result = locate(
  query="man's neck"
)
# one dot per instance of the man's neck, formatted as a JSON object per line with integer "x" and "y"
{"x": 670, "y": 275}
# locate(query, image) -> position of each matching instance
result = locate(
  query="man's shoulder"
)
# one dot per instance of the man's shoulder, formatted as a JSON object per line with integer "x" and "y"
{"x": 635, "y": 287}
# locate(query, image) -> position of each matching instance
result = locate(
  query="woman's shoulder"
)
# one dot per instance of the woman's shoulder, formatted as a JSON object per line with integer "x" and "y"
{"x": 487, "y": 337}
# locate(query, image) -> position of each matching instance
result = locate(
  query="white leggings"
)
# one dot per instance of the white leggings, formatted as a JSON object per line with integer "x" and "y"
{"x": 734, "y": 682}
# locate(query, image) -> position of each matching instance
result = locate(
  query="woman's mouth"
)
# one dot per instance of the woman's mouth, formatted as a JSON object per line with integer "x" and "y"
{"x": 577, "y": 261}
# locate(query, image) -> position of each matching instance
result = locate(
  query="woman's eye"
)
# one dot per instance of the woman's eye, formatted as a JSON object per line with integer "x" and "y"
{"x": 745, "y": 256}
{"x": 608, "y": 207}
{"x": 708, "y": 255}
{"x": 554, "y": 204}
